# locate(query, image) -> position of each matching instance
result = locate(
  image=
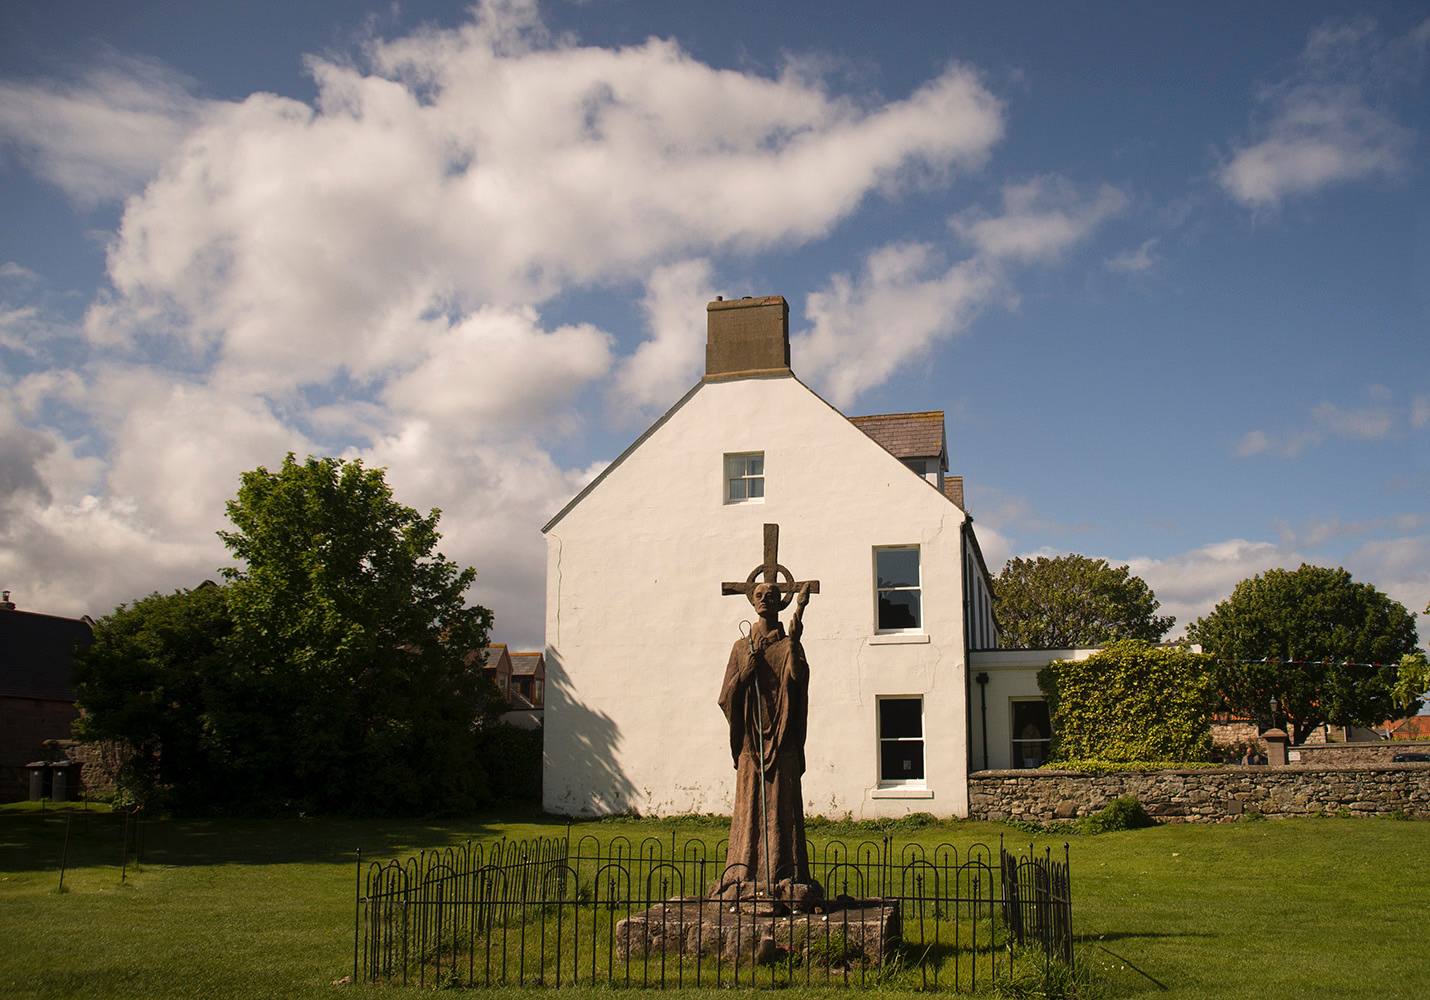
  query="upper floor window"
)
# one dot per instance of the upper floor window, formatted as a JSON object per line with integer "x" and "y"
{"x": 745, "y": 477}
{"x": 897, "y": 589}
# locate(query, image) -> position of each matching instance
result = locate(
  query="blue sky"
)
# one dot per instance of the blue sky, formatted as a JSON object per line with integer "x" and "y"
{"x": 1167, "y": 268}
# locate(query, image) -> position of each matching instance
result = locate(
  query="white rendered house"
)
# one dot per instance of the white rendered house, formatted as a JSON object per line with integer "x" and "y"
{"x": 638, "y": 632}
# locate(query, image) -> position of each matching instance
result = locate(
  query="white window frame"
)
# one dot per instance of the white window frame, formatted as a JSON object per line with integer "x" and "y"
{"x": 737, "y": 469}
{"x": 921, "y": 740}
{"x": 918, "y": 627}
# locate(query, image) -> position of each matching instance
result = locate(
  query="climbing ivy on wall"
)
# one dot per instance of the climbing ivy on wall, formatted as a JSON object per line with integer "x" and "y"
{"x": 1132, "y": 701}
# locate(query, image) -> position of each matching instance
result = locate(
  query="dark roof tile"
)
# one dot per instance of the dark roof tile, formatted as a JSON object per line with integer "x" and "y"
{"x": 906, "y": 435}
{"x": 527, "y": 664}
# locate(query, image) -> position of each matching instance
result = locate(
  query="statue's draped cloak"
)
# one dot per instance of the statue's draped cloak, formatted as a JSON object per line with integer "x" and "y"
{"x": 781, "y": 702}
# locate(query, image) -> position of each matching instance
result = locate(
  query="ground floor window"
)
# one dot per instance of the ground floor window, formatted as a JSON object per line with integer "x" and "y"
{"x": 1032, "y": 730}
{"x": 901, "y": 740}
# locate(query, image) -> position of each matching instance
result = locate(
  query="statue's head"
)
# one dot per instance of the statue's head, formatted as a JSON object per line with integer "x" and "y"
{"x": 767, "y": 599}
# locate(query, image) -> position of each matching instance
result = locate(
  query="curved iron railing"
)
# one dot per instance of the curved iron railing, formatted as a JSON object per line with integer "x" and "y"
{"x": 545, "y": 912}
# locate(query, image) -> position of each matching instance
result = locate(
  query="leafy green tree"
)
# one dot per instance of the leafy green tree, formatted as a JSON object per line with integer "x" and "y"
{"x": 328, "y": 675}
{"x": 146, "y": 681}
{"x": 1412, "y": 682}
{"x": 350, "y": 690}
{"x": 1326, "y": 647}
{"x": 1130, "y": 702}
{"x": 1071, "y": 601}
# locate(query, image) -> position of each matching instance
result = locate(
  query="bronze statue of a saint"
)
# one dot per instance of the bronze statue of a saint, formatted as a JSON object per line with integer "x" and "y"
{"x": 765, "y": 698}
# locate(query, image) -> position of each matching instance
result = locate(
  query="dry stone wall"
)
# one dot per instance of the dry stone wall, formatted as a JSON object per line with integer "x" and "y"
{"x": 1357, "y": 754}
{"x": 1205, "y": 795}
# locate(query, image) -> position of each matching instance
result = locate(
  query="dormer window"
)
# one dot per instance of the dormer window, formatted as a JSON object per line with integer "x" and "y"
{"x": 745, "y": 477}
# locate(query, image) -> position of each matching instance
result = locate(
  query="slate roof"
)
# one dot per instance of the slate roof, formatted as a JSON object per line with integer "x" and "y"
{"x": 37, "y": 652}
{"x": 907, "y": 435}
{"x": 489, "y": 657}
{"x": 526, "y": 664}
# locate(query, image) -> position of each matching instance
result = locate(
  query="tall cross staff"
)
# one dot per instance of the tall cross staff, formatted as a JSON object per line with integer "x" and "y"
{"x": 771, "y": 569}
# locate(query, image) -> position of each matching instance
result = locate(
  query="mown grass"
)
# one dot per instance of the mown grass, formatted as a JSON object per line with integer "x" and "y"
{"x": 264, "y": 908}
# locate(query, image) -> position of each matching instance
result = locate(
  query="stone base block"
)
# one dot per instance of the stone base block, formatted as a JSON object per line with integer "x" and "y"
{"x": 860, "y": 931}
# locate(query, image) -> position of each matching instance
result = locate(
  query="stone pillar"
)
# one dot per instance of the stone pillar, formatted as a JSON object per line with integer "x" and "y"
{"x": 1275, "y": 747}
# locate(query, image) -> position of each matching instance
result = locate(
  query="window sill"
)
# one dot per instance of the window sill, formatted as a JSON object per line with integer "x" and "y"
{"x": 897, "y": 638}
{"x": 901, "y": 793}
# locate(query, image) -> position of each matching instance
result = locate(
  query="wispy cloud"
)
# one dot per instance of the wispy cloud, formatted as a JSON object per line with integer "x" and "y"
{"x": 1041, "y": 218}
{"x": 1384, "y": 419}
{"x": 1316, "y": 532}
{"x": 908, "y": 296}
{"x": 1420, "y": 412}
{"x": 103, "y": 136}
{"x": 1325, "y": 123}
{"x": 1136, "y": 261}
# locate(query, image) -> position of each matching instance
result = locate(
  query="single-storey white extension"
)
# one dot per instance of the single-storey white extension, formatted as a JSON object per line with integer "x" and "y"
{"x": 1010, "y": 723}
{"x": 638, "y": 632}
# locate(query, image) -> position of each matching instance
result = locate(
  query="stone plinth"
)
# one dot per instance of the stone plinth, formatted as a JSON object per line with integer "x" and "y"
{"x": 846, "y": 932}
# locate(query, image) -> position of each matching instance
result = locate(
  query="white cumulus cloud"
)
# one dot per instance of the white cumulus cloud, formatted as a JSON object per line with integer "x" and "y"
{"x": 369, "y": 274}
{"x": 671, "y": 359}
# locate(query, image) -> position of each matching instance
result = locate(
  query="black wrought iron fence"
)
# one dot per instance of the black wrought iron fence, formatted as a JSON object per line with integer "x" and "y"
{"x": 549, "y": 912}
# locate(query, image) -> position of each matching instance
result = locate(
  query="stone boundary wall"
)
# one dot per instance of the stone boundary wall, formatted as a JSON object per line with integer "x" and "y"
{"x": 1204, "y": 795}
{"x": 1357, "y": 754}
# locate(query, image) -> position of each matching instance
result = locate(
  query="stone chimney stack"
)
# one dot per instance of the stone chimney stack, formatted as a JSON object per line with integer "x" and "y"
{"x": 747, "y": 337}
{"x": 953, "y": 489}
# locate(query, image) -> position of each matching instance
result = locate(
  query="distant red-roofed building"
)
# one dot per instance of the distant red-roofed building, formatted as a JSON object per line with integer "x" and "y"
{"x": 1417, "y": 727}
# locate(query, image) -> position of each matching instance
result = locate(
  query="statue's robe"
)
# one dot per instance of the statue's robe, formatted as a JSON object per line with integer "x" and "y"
{"x": 777, "y": 708}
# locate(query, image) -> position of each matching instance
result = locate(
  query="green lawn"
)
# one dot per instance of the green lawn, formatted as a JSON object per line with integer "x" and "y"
{"x": 1323, "y": 908}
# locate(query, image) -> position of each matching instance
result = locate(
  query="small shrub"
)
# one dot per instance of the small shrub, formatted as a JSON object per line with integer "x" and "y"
{"x": 1125, "y": 813}
{"x": 1252, "y": 815}
{"x": 1399, "y": 814}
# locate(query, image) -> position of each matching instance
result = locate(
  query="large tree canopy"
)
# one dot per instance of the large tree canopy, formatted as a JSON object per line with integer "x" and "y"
{"x": 1326, "y": 647}
{"x": 1071, "y": 601}
{"x": 329, "y": 675}
{"x": 349, "y": 636}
